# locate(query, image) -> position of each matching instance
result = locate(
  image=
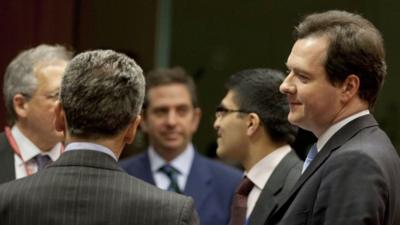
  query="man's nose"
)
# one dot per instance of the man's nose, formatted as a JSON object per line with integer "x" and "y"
{"x": 287, "y": 86}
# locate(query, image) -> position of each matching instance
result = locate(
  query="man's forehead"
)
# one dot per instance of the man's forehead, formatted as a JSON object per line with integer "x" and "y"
{"x": 169, "y": 94}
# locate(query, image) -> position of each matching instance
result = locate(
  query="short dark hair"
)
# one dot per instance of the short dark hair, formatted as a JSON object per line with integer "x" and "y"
{"x": 101, "y": 92}
{"x": 167, "y": 76}
{"x": 356, "y": 47}
{"x": 257, "y": 90}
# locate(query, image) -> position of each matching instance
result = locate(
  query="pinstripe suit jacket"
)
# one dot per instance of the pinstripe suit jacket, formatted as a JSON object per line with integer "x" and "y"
{"x": 88, "y": 187}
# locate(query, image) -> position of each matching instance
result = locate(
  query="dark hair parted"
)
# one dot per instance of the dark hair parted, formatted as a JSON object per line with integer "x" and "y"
{"x": 257, "y": 90}
{"x": 167, "y": 76}
{"x": 101, "y": 92}
{"x": 356, "y": 47}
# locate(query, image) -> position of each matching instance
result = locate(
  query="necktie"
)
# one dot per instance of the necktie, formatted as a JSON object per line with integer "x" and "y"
{"x": 42, "y": 161}
{"x": 310, "y": 156}
{"x": 239, "y": 204}
{"x": 172, "y": 174}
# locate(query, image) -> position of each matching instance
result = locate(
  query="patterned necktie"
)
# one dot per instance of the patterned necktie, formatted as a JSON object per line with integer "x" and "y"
{"x": 172, "y": 174}
{"x": 310, "y": 156}
{"x": 239, "y": 203}
{"x": 42, "y": 161}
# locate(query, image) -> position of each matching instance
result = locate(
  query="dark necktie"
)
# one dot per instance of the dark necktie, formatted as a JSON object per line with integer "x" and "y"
{"x": 310, "y": 156}
{"x": 239, "y": 204}
{"x": 42, "y": 161}
{"x": 172, "y": 174}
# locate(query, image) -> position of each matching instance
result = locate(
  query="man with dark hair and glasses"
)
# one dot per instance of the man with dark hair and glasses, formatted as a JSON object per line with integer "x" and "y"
{"x": 31, "y": 86}
{"x": 252, "y": 127}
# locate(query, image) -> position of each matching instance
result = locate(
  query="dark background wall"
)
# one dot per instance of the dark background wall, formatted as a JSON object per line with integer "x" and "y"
{"x": 211, "y": 39}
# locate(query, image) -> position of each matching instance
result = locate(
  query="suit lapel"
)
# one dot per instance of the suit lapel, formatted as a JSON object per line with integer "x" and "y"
{"x": 7, "y": 171}
{"x": 145, "y": 169}
{"x": 197, "y": 185}
{"x": 337, "y": 140}
{"x": 272, "y": 191}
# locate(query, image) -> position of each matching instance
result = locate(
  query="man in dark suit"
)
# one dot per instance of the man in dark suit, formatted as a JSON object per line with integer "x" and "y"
{"x": 31, "y": 86}
{"x": 351, "y": 176}
{"x": 101, "y": 98}
{"x": 252, "y": 127}
{"x": 170, "y": 117}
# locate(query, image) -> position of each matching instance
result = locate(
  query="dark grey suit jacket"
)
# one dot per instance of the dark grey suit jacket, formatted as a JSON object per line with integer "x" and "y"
{"x": 277, "y": 187}
{"x": 87, "y": 187}
{"x": 353, "y": 180}
{"x": 7, "y": 165}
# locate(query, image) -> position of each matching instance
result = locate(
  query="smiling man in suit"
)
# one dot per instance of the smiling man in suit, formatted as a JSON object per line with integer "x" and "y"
{"x": 351, "y": 176}
{"x": 99, "y": 110}
{"x": 253, "y": 129}
{"x": 170, "y": 118}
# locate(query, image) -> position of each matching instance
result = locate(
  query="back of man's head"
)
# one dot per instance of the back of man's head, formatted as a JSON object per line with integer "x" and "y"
{"x": 257, "y": 90}
{"x": 101, "y": 93}
{"x": 356, "y": 47}
{"x": 20, "y": 77}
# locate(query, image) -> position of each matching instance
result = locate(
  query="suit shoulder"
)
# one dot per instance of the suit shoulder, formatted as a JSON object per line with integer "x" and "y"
{"x": 132, "y": 161}
{"x": 219, "y": 168}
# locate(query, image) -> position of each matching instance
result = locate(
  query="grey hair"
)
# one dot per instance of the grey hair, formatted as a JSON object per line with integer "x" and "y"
{"x": 101, "y": 92}
{"x": 19, "y": 76}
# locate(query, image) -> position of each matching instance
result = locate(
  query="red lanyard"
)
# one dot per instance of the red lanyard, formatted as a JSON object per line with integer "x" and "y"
{"x": 16, "y": 150}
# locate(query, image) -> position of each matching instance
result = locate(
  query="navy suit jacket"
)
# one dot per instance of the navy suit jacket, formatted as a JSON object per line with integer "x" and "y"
{"x": 353, "y": 180}
{"x": 211, "y": 184}
{"x": 7, "y": 171}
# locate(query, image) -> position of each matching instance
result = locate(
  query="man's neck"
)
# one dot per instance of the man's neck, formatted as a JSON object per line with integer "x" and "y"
{"x": 114, "y": 144}
{"x": 168, "y": 154}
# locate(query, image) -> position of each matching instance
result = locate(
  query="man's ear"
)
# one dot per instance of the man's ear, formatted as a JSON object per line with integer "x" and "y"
{"x": 350, "y": 87}
{"x": 253, "y": 123}
{"x": 59, "y": 121}
{"x": 132, "y": 129}
{"x": 20, "y": 105}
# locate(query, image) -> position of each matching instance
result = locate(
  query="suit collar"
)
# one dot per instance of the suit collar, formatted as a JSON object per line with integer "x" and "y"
{"x": 86, "y": 158}
{"x": 270, "y": 195}
{"x": 337, "y": 140}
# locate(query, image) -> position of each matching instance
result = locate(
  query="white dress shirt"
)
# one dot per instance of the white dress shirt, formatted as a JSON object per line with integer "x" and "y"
{"x": 183, "y": 163}
{"x": 261, "y": 172}
{"x": 28, "y": 152}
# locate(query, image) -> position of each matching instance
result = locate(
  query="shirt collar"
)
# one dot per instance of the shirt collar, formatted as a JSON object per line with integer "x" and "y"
{"x": 182, "y": 162}
{"x": 262, "y": 170}
{"x": 29, "y": 150}
{"x": 323, "y": 139}
{"x": 90, "y": 146}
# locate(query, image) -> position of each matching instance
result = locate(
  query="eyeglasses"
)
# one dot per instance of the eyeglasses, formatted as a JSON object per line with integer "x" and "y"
{"x": 221, "y": 111}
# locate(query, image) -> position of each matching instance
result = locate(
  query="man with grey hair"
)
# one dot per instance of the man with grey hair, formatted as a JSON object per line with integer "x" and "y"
{"x": 31, "y": 86}
{"x": 99, "y": 110}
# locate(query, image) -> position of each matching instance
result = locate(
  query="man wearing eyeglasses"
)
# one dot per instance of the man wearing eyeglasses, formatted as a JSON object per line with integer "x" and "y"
{"x": 252, "y": 127}
{"x": 31, "y": 86}
{"x": 170, "y": 118}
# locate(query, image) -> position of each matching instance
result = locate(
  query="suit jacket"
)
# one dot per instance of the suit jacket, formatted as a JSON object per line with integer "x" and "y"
{"x": 353, "y": 180}
{"x": 277, "y": 187}
{"x": 7, "y": 164}
{"x": 88, "y": 187}
{"x": 211, "y": 184}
